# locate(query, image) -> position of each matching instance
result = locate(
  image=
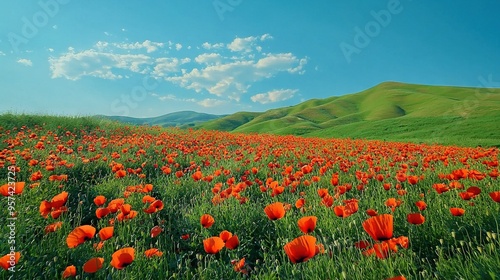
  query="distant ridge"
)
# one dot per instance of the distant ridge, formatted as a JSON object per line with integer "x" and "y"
{"x": 178, "y": 119}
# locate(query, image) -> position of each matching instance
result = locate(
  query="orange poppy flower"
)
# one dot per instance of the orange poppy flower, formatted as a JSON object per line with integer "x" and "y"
{"x": 153, "y": 252}
{"x": 93, "y": 265}
{"x": 155, "y": 231}
{"x": 233, "y": 242}
{"x": 45, "y": 208}
{"x": 80, "y": 235}
{"x": 307, "y": 224}
{"x": 70, "y": 271}
{"x": 101, "y": 212}
{"x": 53, "y": 227}
{"x": 156, "y": 206}
{"x": 379, "y": 227}
{"x": 225, "y": 235}
{"x": 148, "y": 198}
{"x": 98, "y": 246}
{"x": 8, "y": 189}
{"x": 125, "y": 209}
{"x": 275, "y": 211}
{"x": 100, "y": 200}
{"x": 106, "y": 233}
{"x": 56, "y": 213}
{"x": 371, "y": 212}
{"x": 415, "y": 218}
{"x": 301, "y": 249}
{"x": 6, "y": 261}
{"x": 122, "y": 217}
{"x": 238, "y": 266}
{"x": 399, "y": 277}
{"x": 495, "y": 196}
{"x": 207, "y": 220}
{"x": 59, "y": 200}
{"x": 213, "y": 245}
{"x": 300, "y": 203}
{"x": 455, "y": 211}
{"x": 421, "y": 205}
{"x": 123, "y": 257}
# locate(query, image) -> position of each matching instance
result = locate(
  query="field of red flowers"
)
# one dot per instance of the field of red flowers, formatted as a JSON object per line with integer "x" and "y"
{"x": 151, "y": 203}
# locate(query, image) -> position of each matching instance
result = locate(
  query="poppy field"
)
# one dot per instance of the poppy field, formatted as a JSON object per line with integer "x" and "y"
{"x": 91, "y": 200}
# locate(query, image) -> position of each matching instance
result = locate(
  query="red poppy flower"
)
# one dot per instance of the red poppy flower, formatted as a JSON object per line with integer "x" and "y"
{"x": 122, "y": 258}
{"x": 6, "y": 261}
{"x": 213, "y": 245}
{"x": 379, "y": 227}
{"x": 371, "y": 212}
{"x": 225, "y": 235}
{"x": 307, "y": 224}
{"x": 301, "y": 249}
{"x": 156, "y": 206}
{"x": 275, "y": 211}
{"x": 93, "y": 265}
{"x": 416, "y": 218}
{"x": 421, "y": 205}
{"x": 495, "y": 196}
{"x": 59, "y": 200}
{"x": 9, "y": 188}
{"x": 153, "y": 252}
{"x": 106, "y": 233}
{"x": 233, "y": 242}
{"x": 100, "y": 200}
{"x": 101, "y": 212}
{"x": 455, "y": 211}
{"x": 53, "y": 227}
{"x": 207, "y": 220}
{"x": 70, "y": 271}
{"x": 155, "y": 231}
{"x": 80, "y": 235}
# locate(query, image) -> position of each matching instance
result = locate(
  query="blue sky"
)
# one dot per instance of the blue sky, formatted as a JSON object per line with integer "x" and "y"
{"x": 148, "y": 58}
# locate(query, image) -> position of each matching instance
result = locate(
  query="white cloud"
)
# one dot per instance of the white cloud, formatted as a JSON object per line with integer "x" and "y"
{"x": 274, "y": 96}
{"x": 210, "y": 102}
{"x": 209, "y": 58}
{"x": 209, "y": 46}
{"x": 147, "y": 44}
{"x": 165, "y": 65}
{"x": 73, "y": 66}
{"x": 50, "y": 49}
{"x": 234, "y": 78}
{"x": 54, "y": 26}
{"x": 2, "y": 53}
{"x": 242, "y": 44}
{"x": 266, "y": 37}
{"x": 178, "y": 46}
{"x": 172, "y": 97}
{"x": 25, "y": 62}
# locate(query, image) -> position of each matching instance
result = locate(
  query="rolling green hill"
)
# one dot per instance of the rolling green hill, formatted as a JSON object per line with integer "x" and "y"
{"x": 181, "y": 119}
{"x": 390, "y": 111}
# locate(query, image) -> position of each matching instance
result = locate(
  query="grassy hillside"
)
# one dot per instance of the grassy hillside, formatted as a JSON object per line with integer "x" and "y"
{"x": 183, "y": 118}
{"x": 391, "y": 111}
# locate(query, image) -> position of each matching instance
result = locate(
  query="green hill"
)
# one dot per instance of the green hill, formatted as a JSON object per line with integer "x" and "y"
{"x": 391, "y": 111}
{"x": 181, "y": 119}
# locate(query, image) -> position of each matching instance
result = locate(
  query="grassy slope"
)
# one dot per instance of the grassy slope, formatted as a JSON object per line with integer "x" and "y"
{"x": 391, "y": 111}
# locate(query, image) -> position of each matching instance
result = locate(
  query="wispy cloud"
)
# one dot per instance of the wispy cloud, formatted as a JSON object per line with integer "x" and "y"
{"x": 274, "y": 96}
{"x": 210, "y": 102}
{"x": 232, "y": 79}
{"x": 74, "y": 65}
{"x": 228, "y": 71}
{"x": 2, "y": 53}
{"x": 25, "y": 62}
